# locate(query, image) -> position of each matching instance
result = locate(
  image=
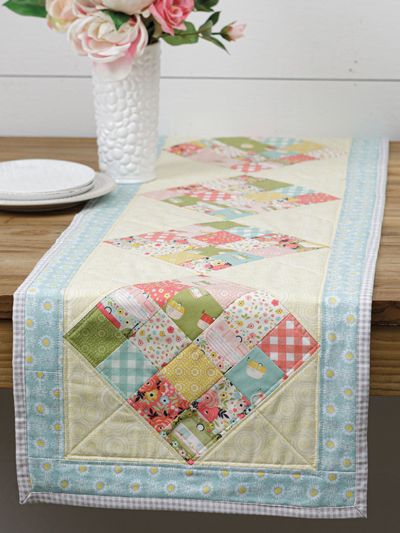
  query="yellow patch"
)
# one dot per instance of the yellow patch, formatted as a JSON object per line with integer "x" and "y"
{"x": 264, "y": 196}
{"x": 303, "y": 147}
{"x": 191, "y": 373}
{"x": 179, "y": 258}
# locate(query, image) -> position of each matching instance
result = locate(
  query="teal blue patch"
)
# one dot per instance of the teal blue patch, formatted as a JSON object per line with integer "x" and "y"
{"x": 255, "y": 374}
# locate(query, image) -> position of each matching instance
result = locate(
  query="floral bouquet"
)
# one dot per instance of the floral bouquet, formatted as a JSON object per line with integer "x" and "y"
{"x": 116, "y": 35}
{"x": 117, "y": 31}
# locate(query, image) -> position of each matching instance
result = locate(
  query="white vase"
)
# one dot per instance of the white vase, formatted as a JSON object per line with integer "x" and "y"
{"x": 127, "y": 119}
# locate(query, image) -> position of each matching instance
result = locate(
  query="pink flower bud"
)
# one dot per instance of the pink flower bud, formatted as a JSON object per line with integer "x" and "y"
{"x": 233, "y": 31}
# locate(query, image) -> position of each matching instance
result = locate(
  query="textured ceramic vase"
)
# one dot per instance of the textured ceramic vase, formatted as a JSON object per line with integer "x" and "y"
{"x": 127, "y": 120}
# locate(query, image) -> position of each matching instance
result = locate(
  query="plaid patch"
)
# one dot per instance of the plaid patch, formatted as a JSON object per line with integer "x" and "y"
{"x": 127, "y": 368}
{"x": 288, "y": 345}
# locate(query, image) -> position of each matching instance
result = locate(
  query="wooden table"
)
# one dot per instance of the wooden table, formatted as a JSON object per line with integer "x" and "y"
{"x": 24, "y": 238}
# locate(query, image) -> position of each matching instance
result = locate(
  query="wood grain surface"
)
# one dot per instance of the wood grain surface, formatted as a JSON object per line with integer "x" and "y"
{"x": 25, "y": 237}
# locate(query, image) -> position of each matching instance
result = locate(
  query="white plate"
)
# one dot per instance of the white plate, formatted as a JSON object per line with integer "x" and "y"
{"x": 43, "y": 179}
{"x": 102, "y": 185}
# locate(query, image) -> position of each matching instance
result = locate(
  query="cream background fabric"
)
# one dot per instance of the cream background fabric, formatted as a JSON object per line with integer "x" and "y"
{"x": 296, "y": 279}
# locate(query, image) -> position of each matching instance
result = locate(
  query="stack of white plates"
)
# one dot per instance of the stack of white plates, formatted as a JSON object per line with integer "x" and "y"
{"x": 30, "y": 184}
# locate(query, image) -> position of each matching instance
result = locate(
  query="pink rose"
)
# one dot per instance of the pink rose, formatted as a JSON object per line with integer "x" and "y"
{"x": 96, "y": 36}
{"x": 130, "y": 7}
{"x": 59, "y": 14}
{"x": 233, "y": 31}
{"x": 171, "y": 14}
{"x": 86, "y": 7}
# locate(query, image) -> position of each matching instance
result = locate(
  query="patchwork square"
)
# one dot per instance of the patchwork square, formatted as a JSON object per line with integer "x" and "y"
{"x": 255, "y": 375}
{"x": 95, "y": 337}
{"x": 127, "y": 368}
{"x": 193, "y": 310}
{"x": 127, "y": 309}
{"x": 223, "y": 405}
{"x": 158, "y": 402}
{"x": 159, "y": 339}
{"x": 163, "y": 291}
{"x": 191, "y": 435}
{"x": 219, "y": 237}
{"x": 252, "y": 316}
{"x": 223, "y": 348}
{"x": 191, "y": 373}
{"x": 289, "y": 344}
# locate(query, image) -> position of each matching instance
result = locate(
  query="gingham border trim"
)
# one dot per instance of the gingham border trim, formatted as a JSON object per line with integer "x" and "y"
{"x": 160, "y": 504}
{"x": 21, "y": 451}
{"x": 364, "y": 333}
{"x": 357, "y": 511}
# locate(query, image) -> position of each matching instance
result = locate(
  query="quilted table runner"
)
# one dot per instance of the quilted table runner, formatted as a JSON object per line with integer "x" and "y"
{"x": 202, "y": 342}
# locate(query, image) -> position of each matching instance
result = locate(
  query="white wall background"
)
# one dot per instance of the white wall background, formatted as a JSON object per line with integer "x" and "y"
{"x": 306, "y": 67}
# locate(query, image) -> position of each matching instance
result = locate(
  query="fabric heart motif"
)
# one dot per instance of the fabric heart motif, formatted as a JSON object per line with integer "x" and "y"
{"x": 193, "y": 357}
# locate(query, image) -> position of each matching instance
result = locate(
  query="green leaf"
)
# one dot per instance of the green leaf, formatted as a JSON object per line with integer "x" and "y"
{"x": 214, "y": 17}
{"x": 187, "y": 36}
{"x": 215, "y": 41}
{"x": 32, "y": 8}
{"x": 205, "y": 5}
{"x": 117, "y": 17}
{"x": 206, "y": 28}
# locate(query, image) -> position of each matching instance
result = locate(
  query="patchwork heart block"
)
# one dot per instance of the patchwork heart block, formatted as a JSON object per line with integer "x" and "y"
{"x": 250, "y": 154}
{"x": 209, "y": 246}
{"x": 192, "y": 357}
{"x": 240, "y": 196}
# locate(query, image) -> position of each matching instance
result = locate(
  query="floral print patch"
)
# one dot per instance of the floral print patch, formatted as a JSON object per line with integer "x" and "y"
{"x": 223, "y": 405}
{"x": 160, "y": 339}
{"x": 158, "y": 402}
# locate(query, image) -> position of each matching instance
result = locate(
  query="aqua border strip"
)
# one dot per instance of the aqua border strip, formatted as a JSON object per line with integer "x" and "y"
{"x": 192, "y": 504}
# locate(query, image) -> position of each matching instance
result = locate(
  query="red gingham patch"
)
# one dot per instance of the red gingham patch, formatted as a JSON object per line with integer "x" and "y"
{"x": 162, "y": 236}
{"x": 211, "y": 195}
{"x": 289, "y": 344}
